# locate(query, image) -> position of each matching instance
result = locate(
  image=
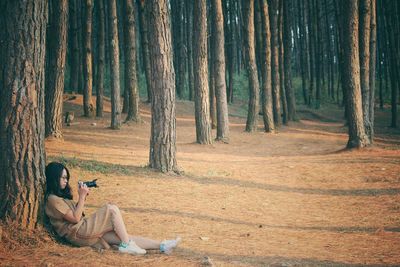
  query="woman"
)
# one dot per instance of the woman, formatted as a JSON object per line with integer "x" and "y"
{"x": 103, "y": 228}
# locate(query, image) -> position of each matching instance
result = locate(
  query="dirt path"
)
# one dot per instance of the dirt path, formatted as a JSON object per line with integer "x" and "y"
{"x": 291, "y": 198}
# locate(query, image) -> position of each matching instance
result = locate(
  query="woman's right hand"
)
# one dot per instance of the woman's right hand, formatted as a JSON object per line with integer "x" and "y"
{"x": 83, "y": 190}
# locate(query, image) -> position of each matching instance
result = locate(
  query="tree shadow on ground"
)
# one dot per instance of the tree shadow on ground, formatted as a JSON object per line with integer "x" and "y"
{"x": 264, "y": 260}
{"x": 119, "y": 169}
{"x": 209, "y": 218}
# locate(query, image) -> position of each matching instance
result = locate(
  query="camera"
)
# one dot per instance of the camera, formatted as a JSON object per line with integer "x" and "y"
{"x": 91, "y": 183}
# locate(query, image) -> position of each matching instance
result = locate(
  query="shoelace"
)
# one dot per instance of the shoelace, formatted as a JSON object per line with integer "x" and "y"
{"x": 123, "y": 245}
{"x": 162, "y": 247}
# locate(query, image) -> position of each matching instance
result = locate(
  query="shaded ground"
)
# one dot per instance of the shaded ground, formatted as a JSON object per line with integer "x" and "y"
{"x": 291, "y": 198}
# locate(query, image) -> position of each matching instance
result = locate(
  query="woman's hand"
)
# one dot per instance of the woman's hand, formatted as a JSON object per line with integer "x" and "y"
{"x": 83, "y": 190}
{"x": 76, "y": 215}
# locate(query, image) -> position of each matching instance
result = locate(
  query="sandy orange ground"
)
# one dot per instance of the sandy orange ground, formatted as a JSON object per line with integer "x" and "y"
{"x": 290, "y": 198}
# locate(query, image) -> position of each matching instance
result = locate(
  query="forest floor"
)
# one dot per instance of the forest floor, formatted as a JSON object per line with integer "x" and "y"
{"x": 292, "y": 198}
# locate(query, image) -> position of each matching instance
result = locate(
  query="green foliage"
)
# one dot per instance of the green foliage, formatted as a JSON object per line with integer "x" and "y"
{"x": 241, "y": 86}
{"x": 142, "y": 86}
{"x": 297, "y": 89}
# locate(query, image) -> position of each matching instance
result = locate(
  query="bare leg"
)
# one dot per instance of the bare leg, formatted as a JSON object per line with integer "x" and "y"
{"x": 145, "y": 243}
{"x": 118, "y": 224}
{"x": 111, "y": 238}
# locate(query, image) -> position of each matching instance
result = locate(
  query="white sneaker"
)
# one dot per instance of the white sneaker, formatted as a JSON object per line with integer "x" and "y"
{"x": 131, "y": 248}
{"x": 167, "y": 246}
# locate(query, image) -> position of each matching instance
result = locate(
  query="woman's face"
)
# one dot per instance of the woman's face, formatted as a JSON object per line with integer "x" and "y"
{"x": 63, "y": 179}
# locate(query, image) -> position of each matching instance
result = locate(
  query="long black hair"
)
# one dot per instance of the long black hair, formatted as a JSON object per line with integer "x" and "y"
{"x": 54, "y": 172}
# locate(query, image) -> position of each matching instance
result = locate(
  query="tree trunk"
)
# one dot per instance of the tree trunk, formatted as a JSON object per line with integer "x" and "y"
{"x": 390, "y": 25}
{"x": 75, "y": 62}
{"x": 219, "y": 67}
{"x": 130, "y": 63}
{"x": 211, "y": 69}
{"x": 311, "y": 44}
{"x": 319, "y": 73}
{"x": 202, "y": 113}
{"x": 281, "y": 66}
{"x": 303, "y": 49}
{"x": 253, "y": 107}
{"x": 181, "y": 50}
{"x": 22, "y": 151}
{"x": 351, "y": 75}
{"x": 231, "y": 49}
{"x": 268, "y": 116}
{"x": 364, "y": 40}
{"x": 287, "y": 38}
{"x": 114, "y": 66}
{"x": 87, "y": 63}
{"x": 273, "y": 11}
{"x": 163, "y": 121}
{"x": 239, "y": 35}
{"x": 81, "y": 25}
{"x": 340, "y": 48}
{"x": 101, "y": 59}
{"x": 94, "y": 49}
{"x": 257, "y": 39}
{"x": 144, "y": 41}
{"x": 57, "y": 48}
{"x": 372, "y": 68}
{"x": 380, "y": 32}
{"x": 177, "y": 37}
{"x": 189, "y": 36}
{"x": 330, "y": 53}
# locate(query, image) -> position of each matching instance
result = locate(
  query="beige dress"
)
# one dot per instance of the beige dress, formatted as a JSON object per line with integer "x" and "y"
{"x": 88, "y": 231}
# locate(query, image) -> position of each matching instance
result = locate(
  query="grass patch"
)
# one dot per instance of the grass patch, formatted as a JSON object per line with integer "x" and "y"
{"x": 97, "y": 166}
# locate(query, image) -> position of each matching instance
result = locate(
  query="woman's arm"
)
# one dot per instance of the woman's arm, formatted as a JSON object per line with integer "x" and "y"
{"x": 76, "y": 216}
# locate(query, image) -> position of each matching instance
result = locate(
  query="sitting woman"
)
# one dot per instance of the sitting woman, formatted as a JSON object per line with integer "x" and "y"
{"x": 105, "y": 227}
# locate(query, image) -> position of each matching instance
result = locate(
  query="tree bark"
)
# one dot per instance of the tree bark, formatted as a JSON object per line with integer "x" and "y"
{"x": 330, "y": 37}
{"x": 75, "y": 62}
{"x": 287, "y": 41}
{"x": 211, "y": 67}
{"x": 189, "y": 42}
{"x": 121, "y": 13}
{"x": 340, "y": 48}
{"x": 351, "y": 75}
{"x": 390, "y": 25}
{"x": 80, "y": 27}
{"x": 303, "y": 49}
{"x": 281, "y": 66}
{"x": 273, "y": 12}
{"x": 257, "y": 34}
{"x": 364, "y": 41}
{"x": 311, "y": 45}
{"x": 57, "y": 48}
{"x": 114, "y": 66}
{"x": 177, "y": 9}
{"x": 101, "y": 59}
{"x": 253, "y": 106}
{"x": 144, "y": 41}
{"x": 163, "y": 121}
{"x": 202, "y": 113}
{"x": 181, "y": 50}
{"x": 87, "y": 63}
{"x": 239, "y": 35}
{"x": 130, "y": 63}
{"x": 319, "y": 73}
{"x": 372, "y": 70}
{"x": 268, "y": 116}
{"x": 219, "y": 67}
{"x": 232, "y": 48}
{"x": 22, "y": 151}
